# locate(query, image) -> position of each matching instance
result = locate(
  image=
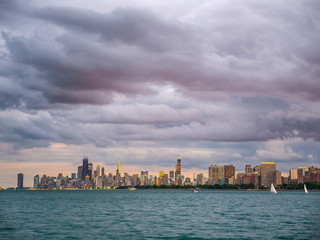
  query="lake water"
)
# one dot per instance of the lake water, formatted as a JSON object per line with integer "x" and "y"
{"x": 159, "y": 214}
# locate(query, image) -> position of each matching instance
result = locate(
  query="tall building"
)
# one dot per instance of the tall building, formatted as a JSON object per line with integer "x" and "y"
{"x": 229, "y": 172}
{"x": 80, "y": 172}
{"x": 36, "y": 181}
{"x": 90, "y": 168}
{"x": 85, "y": 168}
{"x": 98, "y": 170}
{"x": 161, "y": 173}
{"x": 256, "y": 169}
{"x": 216, "y": 174}
{"x": 293, "y": 175}
{"x": 301, "y": 173}
{"x": 102, "y": 171}
{"x": 201, "y": 179}
{"x": 119, "y": 167}
{"x": 20, "y": 181}
{"x": 171, "y": 174}
{"x": 73, "y": 176}
{"x": 248, "y": 169}
{"x": 267, "y": 169}
{"x": 276, "y": 178}
{"x": 178, "y": 169}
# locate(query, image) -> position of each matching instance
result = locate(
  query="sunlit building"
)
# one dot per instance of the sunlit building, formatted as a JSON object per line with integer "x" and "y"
{"x": 267, "y": 169}
{"x": 301, "y": 173}
{"x": 216, "y": 174}
{"x": 229, "y": 172}
{"x": 178, "y": 169}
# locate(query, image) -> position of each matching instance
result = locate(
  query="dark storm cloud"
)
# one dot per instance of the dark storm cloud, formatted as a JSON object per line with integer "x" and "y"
{"x": 238, "y": 69}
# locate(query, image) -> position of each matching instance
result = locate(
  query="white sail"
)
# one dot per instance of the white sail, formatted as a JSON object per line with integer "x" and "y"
{"x": 305, "y": 189}
{"x": 272, "y": 189}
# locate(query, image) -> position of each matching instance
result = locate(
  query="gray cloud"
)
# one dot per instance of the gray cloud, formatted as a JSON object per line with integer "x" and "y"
{"x": 217, "y": 72}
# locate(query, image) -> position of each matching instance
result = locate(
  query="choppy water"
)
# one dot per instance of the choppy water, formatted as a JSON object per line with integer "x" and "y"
{"x": 158, "y": 214}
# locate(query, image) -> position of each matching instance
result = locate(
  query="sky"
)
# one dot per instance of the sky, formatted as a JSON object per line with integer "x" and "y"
{"x": 145, "y": 82}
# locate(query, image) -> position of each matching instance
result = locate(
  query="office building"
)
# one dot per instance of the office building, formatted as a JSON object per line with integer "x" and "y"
{"x": 301, "y": 173}
{"x": 20, "y": 181}
{"x": 36, "y": 181}
{"x": 98, "y": 170}
{"x": 216, "y": 174}
{"x": 102, "y": 171}
{"x": 293, "y": 175}
{"x": 85, "y": 168}
{"x": 248, "y": 169}
{"x": 201, "y": 179}
{"x": 80, "y": 172}
{"x": 276, "y": 178}
{"x": 90, "y": 169}
{"x": 267, "y": 169}
{"x": 119, "y": 167}
{"x": 256, "y": 169}
{"x": 229, "y": 173}
{"x": 178, "y": 169}
{"x": 73, "y": 176}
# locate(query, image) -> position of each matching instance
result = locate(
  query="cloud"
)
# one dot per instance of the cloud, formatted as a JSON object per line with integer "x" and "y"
{"x": 202, "y": 75}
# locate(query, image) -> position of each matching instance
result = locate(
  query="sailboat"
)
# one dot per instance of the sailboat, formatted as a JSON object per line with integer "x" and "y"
{"x": 305, "y": 189}
{"x": 272, "y": 189}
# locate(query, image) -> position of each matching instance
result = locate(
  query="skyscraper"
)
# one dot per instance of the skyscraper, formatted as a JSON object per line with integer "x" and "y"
{"x": 178, "y": 169}
{"x": 85, "y": 168}
{"x": 216, "y": 174}
{"x": 229, "y": 172}
{"x": 248, "y": 169}
{"x": 98, "y": 170}
{"x": 102, "y": 171}
{"x": 90, "y": 169}
{"x": 80, "y": 172}
{"x": 119, "y": 167}
{"x": 20, "y": 181}
{"x": 267, "y": 169}
{"x": 36, "y": 181}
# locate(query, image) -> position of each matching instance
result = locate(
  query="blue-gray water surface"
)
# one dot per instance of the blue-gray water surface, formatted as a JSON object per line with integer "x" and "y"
{"x": 159, "y": 214}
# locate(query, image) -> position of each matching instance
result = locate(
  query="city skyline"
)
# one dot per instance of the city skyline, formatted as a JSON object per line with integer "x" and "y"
{"x": 261, "y": 174}
{"x": 146, "y": 81}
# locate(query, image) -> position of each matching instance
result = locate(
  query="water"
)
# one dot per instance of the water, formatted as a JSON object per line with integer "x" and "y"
{"x": 158, "y": 214}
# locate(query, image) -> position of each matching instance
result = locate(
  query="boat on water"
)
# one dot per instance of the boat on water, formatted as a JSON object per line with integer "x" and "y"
{"x": 305, "y": 189}
{"x": 132, "y": 189}
{"x": 272, "y": 189}
{"x": 194, "y": 190}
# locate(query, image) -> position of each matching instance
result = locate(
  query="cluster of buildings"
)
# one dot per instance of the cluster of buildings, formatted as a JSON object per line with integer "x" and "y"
{"x": 88, "y": 178}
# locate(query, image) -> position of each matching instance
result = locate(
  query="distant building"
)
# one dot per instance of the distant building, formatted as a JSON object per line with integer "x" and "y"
{"x": 36, "y": 181}
{"x": 276, "y": 178}
{"x": 98, "y": 170}
{"x": 256, "y": 169}
{"x": 80, "y": 172}
{"x": 301, "y": 173}
{"x": 119, "y": 167}
{"x": 312, "y": 176}
{"x": 201, "y": 179}
{"x": 293, "y": 175}
{"x": 20, "y": 181}
{"x": 90, "y": 169}
{"x": 102, "y": 171}
{"x": 267, "y": 169}
{"x": 248, "y": 169}
{"x": 229, "y": 173}
{"x": 73, "y": 176}
{"x": 178, "y": 169}
{"x": 216, "y": 174}
{"x": 85, "y": 168}
{"x": 171, "y": 175}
